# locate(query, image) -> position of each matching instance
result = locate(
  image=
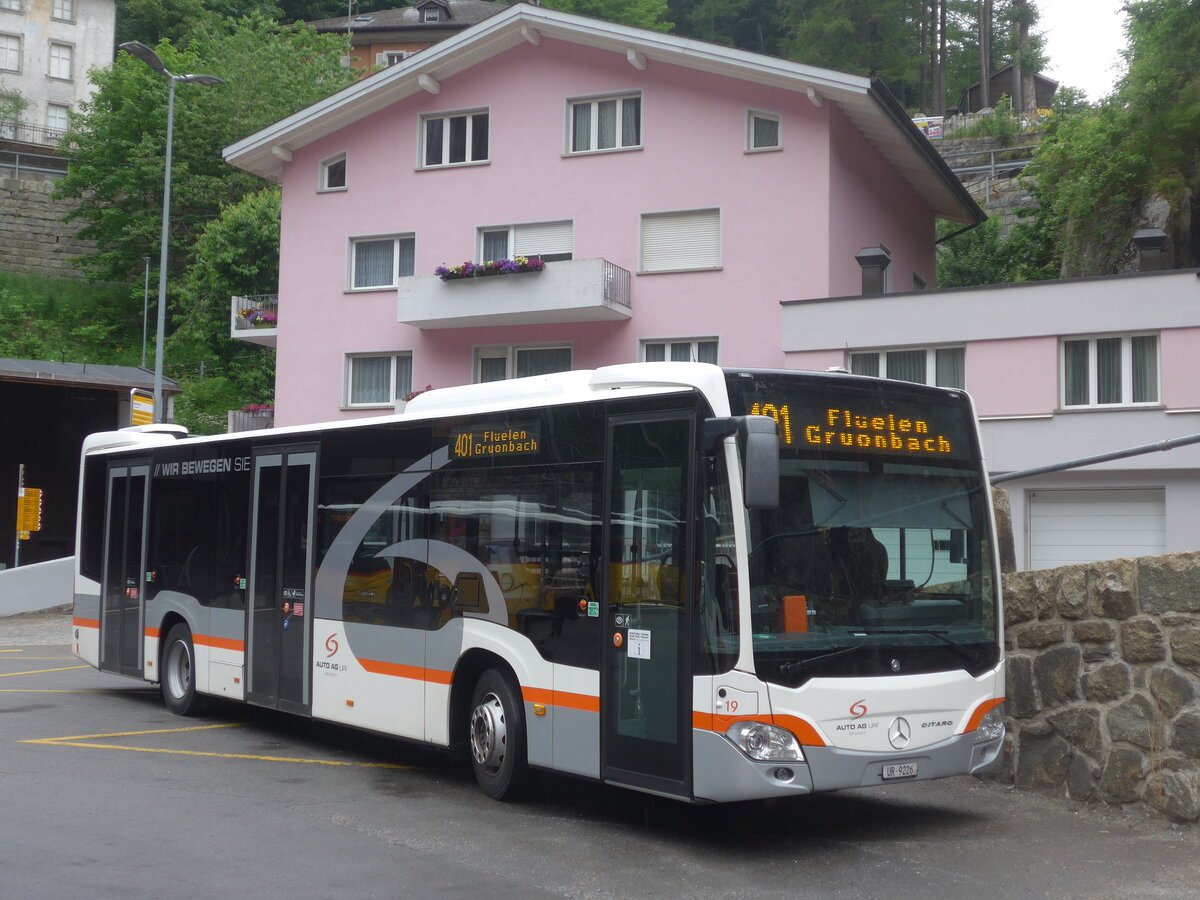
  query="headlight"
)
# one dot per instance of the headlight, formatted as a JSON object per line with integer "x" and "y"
{"x": 992, "y": 726}
{"x": 760, "y": 741}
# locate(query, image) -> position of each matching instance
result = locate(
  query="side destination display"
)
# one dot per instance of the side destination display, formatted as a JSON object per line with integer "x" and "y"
{"x": 467, "y": 443}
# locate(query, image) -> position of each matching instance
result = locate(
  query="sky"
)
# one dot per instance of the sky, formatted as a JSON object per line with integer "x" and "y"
{"x": 1084, "y": 40}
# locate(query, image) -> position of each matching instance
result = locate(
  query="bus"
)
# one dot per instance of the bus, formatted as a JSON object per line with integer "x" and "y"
{"x": 707, "y": 584}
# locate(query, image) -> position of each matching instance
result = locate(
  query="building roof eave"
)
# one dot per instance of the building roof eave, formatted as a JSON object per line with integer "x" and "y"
{"x": 866, "y": 103}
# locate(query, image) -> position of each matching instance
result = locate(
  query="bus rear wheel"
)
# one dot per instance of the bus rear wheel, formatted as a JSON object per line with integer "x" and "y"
{"x": 497, "y": 738}
{"x": 179, "y": 672}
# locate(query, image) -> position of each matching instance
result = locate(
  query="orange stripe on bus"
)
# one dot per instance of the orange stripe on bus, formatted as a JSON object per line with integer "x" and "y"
{"x": 980, "y": 711}
{"x": 85, "y": 623}
{"x": 805, "y": 733}
{"x": 153, "y": 632}
{"x": 220, "y": 643}
{"x": 564, "y": 699}
{"x": 398, "y": 670}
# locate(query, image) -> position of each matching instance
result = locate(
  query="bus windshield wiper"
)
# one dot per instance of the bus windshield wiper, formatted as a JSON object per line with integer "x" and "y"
{"x": 801, "y": 665}
{"x": 962, "y": 651}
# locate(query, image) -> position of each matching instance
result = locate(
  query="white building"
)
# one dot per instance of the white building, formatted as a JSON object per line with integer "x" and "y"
{"x": 46, "y": 50}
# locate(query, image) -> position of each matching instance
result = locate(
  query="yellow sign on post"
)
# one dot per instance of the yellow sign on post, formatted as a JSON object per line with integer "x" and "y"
{"x": 29, "y": 512}
{"x": 141, "y": 407}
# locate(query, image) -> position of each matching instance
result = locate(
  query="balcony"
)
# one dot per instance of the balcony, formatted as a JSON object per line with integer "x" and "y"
{"x": 574, "y": 290}
{"x": 255, "y": 319}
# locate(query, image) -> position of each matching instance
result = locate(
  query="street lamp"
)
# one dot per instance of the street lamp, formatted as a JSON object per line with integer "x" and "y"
{"x": 150, "y": 58}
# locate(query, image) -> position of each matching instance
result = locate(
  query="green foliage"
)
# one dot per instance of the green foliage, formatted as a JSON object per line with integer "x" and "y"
{"x": 651, "y": 14}
{"x": 12, "y": 104}
{"x": 237, "y": 254}
{"x": 1097, "y": 166}
{"x": 983, "y": 255}
{"x": 118, "y": 139}
{"x": 68, "y": 321}
{"x": 203, "y": 405}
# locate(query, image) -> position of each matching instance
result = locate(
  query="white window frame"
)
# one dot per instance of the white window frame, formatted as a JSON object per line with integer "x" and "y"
{"x": 751, "y": 116}
{"x": 688, "y": 240}
{"x": 509, "y": 353}
{"x": 323, "y": 185}
{"x": 930, "y": 362}
{"x": 593, "y": 131}
{"x": 52, "y": 59}
{"x": 352, "y": 256}
{"x": 1093, "y": 375}
{"x": 445, "y": 118}
{"x": 17, "y": 46}
{"x": 15, "y": 6}
{"x": 548, "y": 241}
{"x": 395, "y": 390}
{"x": 62, "y": 10}
{"x": 669, "y": 346}
{"x": 66, "y": 116}
{"x": 430, "y": 13}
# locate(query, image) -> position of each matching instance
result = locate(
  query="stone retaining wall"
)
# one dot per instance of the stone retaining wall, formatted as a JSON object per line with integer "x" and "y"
{"x": 1103, "y": 682}
{"x": 34, "y": 240}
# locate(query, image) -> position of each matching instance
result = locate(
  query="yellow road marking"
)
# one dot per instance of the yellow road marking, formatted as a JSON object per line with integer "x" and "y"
{"x": 18, "y": 650}
{"x": 48, "y": 658}
{"x": 85, "y": 741}
{"x": 61, "y": 691}
{"x": 42, "y": 671}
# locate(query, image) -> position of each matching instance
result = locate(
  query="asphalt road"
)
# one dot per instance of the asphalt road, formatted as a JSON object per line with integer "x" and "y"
{"x": 107, "y": 795}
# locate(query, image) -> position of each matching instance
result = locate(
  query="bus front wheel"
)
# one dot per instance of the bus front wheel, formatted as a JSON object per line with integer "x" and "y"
{"x": 497, "y": 738}
{"x": 179, "y": 672}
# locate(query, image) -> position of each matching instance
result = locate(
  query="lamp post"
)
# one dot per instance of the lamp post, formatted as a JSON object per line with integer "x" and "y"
{"x": 150, "y": 58}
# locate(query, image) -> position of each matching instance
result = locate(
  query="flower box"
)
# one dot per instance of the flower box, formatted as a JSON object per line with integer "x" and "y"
{"x": 515, "y": 266}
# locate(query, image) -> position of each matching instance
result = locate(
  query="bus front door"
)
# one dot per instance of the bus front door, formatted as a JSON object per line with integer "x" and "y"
{"x": 124, "y": 577}
{"x": 645, "y": 701}
{"x": 279, "y": 607}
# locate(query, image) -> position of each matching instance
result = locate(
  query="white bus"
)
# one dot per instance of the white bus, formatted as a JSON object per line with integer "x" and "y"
{"x": 706, "y": 584}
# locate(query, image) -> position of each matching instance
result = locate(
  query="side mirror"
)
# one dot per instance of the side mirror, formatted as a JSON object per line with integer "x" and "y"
{"x": 758, "y": 441}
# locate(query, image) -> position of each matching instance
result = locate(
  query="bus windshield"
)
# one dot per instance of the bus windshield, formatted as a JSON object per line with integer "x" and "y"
{"x": 878, "y": 560}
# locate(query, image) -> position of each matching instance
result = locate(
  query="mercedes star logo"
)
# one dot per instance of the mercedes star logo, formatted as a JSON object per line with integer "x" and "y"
{"x": 899, "y": 733}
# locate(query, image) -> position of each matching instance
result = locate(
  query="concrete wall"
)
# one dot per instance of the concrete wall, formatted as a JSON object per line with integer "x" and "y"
{"x": 34, "y": 240}
{"x": 1104, "y": 682}
{"x": 36, "y": 587}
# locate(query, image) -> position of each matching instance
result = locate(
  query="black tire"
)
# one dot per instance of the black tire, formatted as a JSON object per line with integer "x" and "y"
{"x": 496, "y": 735}
{"x": 178, "y": 672}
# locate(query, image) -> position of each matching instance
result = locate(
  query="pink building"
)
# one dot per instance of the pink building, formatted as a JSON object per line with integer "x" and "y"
{"x": 1059, "y": 371}
{"x": 677, "y": 192}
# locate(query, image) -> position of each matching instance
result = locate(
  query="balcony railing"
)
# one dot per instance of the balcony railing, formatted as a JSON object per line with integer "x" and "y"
{"x": 574, "y": 290}
{"x": 27, "y": 133}
{"x": 250, "y": 420}
{"x": 254, "y": 318}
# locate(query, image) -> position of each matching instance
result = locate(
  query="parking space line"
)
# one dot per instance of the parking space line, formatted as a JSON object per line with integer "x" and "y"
{"x": 87, "y": 741}
{"x": 60, "y": 691}
{"x": 42, "y": 671}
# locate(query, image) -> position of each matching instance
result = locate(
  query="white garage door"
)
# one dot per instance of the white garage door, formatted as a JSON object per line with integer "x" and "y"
{"x": 1083, "y": 526}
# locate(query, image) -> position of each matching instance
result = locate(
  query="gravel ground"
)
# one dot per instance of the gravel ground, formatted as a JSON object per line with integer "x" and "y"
{"x": 50, "y": 626}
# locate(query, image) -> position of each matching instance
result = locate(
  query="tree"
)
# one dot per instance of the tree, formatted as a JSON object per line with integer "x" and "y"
{"x": 117, "y": 140}
{"x": 651, "y": 14}
{"x": 1098, "y": 167}
{"x": 12, "y": 105}
{"x": 237, "y": 254}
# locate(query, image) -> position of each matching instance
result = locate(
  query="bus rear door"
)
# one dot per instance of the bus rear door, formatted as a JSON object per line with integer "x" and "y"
{"x": 279, "y": 588}
{"x": 124, "y": 576}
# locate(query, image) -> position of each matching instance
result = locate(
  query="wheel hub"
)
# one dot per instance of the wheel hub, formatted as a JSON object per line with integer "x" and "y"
{"x": 489, "y": 734}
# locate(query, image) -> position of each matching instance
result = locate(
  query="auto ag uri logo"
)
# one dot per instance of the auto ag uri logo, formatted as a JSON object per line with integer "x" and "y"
{"x": 331, "y": 644}
{"x": 858, "y": 708}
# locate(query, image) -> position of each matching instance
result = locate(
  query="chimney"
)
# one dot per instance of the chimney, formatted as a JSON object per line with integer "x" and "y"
{"x": 874, "y": 262}
{"x": 1151, "y": 246}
